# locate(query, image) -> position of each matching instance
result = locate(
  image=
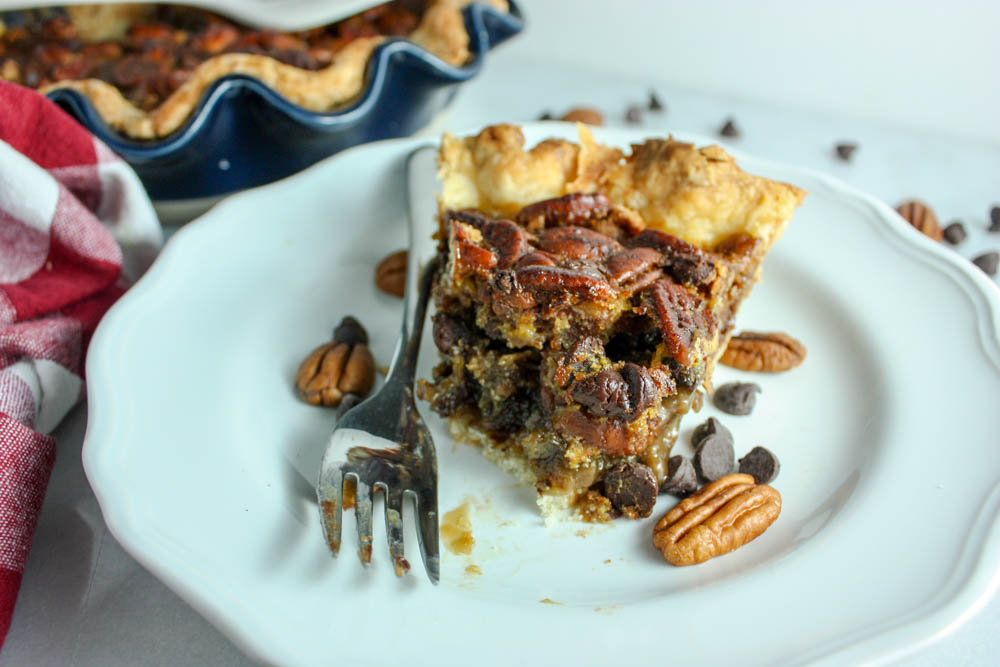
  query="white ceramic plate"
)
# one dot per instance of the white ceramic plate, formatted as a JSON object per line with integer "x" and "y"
{"x": 203, "y": 459}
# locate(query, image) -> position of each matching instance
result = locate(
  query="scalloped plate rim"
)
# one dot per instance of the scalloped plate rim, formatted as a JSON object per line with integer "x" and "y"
{"x": 967, "y": 590}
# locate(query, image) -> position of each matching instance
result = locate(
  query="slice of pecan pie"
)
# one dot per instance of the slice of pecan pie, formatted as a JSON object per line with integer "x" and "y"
{"x": 584, "y": 297}
{"x": 145, "y": 66}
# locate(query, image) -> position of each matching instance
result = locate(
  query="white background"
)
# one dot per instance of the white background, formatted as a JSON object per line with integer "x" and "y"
{"x": 914, "y": 83}
{"x": 915, "y": 64}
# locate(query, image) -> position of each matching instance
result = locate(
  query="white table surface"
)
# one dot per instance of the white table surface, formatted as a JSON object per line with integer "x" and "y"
{"x": 84, "y": 601}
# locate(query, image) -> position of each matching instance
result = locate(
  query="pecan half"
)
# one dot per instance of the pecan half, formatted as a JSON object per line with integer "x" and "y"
{"x": 509, "y": 240}
{"x": 632, "y": 264}
{"x": 468, "y": 257}
{"x": 685, "y": 262}
{"x": 571, "y": 209}
{"x": 343, "y": 366}
{"x": 767, "y": 352}
{"x": 576, "y": 243}
{"x": 721, "y": 517}
{"x": 548, "y": 285}
{"x": 922, "y": 217}
{"x": 680, "y": 315}
{"x": 390, "y": 274}
{"x": 584, "y": 115}
{"x": 537, "y": 258}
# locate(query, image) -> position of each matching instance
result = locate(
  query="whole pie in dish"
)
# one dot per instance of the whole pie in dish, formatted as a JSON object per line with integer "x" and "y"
{"x": 584, "y": 295}
{"x": 144, "y": 67}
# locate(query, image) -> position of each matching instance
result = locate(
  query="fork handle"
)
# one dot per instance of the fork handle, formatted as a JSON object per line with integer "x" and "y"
{"x": 404, "y": 361}
{"x": 421, "y": 266}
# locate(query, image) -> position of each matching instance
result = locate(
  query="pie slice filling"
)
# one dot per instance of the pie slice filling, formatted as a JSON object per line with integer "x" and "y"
{"x": 583, "y": 297}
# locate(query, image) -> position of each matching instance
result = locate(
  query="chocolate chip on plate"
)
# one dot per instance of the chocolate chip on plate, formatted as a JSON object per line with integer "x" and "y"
{"x": 654, "y": 102}
{"x": 845, "y": 150}
{"x": 994, "y": 219}
{"x": 761, "y": 463}
{"x": 988, "y": 262}
{"x": 736, "y": 398}
{"x": 350, "y": 331}
{"x": 633, "y": 115}
{"x": 631, "y": 488}
{"x": 710, "y": 427}
{"x": 682, "y": 478}
{"x": 547, "y": 115}
{"x": 954, "y": 233}
{"x": 714, "y": 458}
{"x": 729, "y": 129}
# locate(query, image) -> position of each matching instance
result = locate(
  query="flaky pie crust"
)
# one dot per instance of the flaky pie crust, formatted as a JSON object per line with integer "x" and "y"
{"x": 698, "y": 194}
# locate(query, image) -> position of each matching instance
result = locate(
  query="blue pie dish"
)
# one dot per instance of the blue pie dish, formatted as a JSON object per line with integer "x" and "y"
{"x": 243, "y": 134}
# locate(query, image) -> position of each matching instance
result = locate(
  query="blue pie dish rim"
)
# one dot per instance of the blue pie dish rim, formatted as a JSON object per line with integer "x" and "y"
{"x": 192, "y": 162}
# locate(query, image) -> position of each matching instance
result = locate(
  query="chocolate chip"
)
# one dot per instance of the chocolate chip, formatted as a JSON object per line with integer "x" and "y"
{"x": 546, "y": 116}
{"x": 641, "y": 390}
{"x": 736, "y": 398}
{"x": 729, "y": 129}
{"x": 633, "y": 115}
{"x": 605, "y": 394}
{"x": 994, "y": 219}
{"x": 845, "y": 150}
{"x": 623, "y": 394}
{"x": 711, "y": 427}
{"x": 631, "y": 488}
{"x": 954, "y": 233}
{"x": 988, "y": 262}
{"x": 654, "y": 102}
{"x": 450, "y": 331}
{"x": 682, "y": 479}
{"x": 350, "y": 331}
{"x": 347, "y": 402}
{"x": 714, "y": 457}
{"x": 761, "y": 463}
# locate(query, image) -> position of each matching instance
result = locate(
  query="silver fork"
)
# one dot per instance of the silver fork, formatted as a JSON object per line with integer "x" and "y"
{"x": 404, "y": 462}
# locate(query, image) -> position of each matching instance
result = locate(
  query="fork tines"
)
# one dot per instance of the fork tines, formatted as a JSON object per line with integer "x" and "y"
{"x": 358, "y": 494}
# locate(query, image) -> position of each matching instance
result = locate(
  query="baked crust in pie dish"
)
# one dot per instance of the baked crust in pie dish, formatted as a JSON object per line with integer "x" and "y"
{"x": 584, "y": 295}
{"x": 438, "y": 27}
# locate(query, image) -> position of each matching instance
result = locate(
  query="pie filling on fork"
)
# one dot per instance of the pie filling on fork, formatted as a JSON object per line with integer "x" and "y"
{"x": 584, "y": 295}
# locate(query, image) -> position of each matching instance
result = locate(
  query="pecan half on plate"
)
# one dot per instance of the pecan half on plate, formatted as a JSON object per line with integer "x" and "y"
{"x": 723, "y": 516}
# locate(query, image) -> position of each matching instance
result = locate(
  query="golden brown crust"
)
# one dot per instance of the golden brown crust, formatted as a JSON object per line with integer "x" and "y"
{"x": 697, "y": 194}
{"x": 441, "y": 31}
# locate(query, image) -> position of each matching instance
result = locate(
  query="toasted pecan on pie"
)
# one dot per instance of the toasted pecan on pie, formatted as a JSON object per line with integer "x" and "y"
{"x": 145, "y": 67}
{"x": 584, "y": 296}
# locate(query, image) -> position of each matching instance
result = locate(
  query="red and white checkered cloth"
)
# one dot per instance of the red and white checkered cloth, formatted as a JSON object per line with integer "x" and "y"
{"x": 66, "y": 203}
